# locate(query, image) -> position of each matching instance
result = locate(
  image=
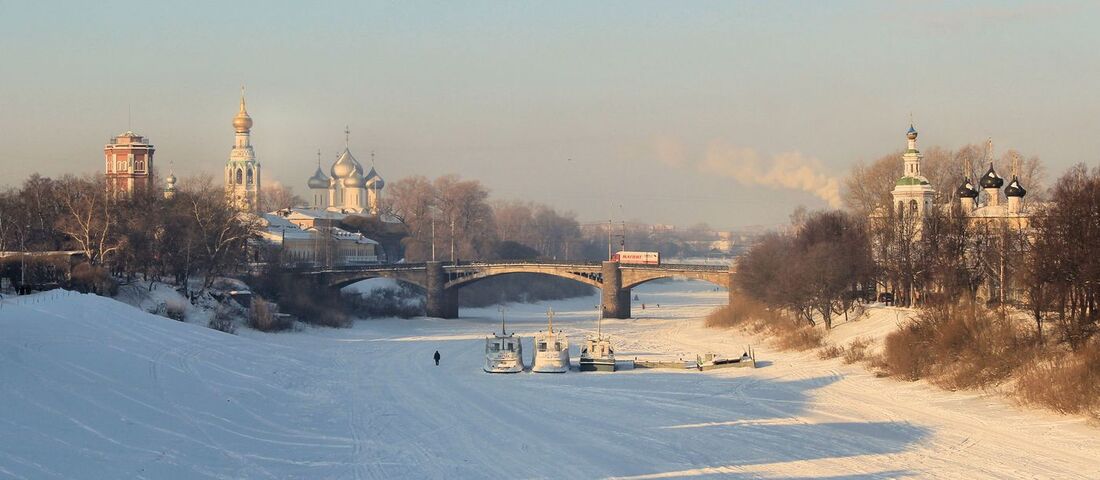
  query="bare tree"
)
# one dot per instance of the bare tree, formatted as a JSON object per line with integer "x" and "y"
{"x": 276, "y": 196}
{"x": 88, "y": 217}
{"x": 221, "y": 232}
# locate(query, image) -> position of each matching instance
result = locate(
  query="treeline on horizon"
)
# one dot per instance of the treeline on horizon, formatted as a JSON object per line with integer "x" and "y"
{"x": 194, "y": 237}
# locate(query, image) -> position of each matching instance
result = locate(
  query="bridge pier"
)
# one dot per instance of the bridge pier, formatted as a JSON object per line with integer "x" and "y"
{"x": 441, "y": 301}
{"x": 614, "y": 299}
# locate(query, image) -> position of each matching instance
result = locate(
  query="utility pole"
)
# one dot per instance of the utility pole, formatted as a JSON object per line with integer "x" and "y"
{"x": 622, "y": 242}
{"x": 608, "y": 239}
{"x": 433, "y": 237}
{"x": 23, "y": 259}
{"x": 452, "y": 239}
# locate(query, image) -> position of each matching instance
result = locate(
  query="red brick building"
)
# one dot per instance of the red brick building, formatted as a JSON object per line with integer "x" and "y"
{"x": 129, "y": 163}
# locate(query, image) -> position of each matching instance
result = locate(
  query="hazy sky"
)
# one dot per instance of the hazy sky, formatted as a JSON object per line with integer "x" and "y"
{"x": 726, "y": 112}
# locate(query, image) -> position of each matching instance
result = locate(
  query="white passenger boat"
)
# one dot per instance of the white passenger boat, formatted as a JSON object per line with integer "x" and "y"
{"x": 503, "y": 352}
{"x": 551, "y": 349}
{"x": 597, "y": 355}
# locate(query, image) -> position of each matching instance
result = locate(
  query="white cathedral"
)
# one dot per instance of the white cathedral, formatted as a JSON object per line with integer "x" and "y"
{"x": 348, "y": 190}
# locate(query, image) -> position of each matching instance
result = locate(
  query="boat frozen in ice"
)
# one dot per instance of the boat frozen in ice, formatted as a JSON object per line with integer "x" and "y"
{"x": 597, "y": 355}
{"x": 504, "y": 351}
{"x": 551, "y": 349}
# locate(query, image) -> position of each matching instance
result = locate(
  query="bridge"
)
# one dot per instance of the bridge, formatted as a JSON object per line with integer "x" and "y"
{"x": 442, "y": 281}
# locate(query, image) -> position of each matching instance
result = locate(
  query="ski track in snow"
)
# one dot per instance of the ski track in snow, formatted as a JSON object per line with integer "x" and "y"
{"x": 93, "y": 388}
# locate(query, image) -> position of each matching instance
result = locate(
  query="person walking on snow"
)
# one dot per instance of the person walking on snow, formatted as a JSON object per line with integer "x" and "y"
{"x": 436, "y": 357}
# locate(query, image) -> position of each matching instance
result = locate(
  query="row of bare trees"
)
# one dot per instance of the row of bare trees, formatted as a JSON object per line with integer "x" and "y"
{"x": 818, "y": 271}
{"x": 1060, "y": 272}
{"x": 193, "y": 234}
{"x": 458, "y": 216}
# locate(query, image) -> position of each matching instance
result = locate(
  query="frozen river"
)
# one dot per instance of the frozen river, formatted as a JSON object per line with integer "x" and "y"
{"x": 91, "y": 388}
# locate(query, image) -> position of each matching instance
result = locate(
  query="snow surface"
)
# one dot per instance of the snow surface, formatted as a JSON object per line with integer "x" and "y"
{"x": 93, "y": 388}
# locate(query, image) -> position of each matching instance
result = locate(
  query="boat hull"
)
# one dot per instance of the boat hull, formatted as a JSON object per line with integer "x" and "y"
{"x": 596, "y": 365}
{"x": 503, "y": 365}
{"x": 551, "y": 363}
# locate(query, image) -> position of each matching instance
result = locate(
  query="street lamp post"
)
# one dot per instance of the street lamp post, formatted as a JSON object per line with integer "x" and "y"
{"x": 23, "y": 260}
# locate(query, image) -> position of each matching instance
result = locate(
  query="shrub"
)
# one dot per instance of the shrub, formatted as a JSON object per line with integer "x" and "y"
{"x": 175, "y": 310}
{"x": 752, "y": 315}
{"x": 222, "y": 320}
{"x": 1068, "y": 382}
{"x": 856, "y": 351}
{"x": 799, "y": 337}
{"x": 264, "y": 316}
{"x": 86, "y": 278}
{"x": 830, "y": 351}
{"x": 906, "y": 352}
{"x": 956, "y": 346}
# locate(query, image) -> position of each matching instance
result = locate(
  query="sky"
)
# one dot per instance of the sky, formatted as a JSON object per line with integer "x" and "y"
{"x": 729, "y": 113}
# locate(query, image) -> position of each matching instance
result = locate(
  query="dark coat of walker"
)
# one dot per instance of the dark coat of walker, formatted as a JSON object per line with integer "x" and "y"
{"x": 436, "y": 357}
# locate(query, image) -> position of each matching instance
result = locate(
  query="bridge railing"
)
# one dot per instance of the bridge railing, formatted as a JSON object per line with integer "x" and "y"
{"x": 504, "y": 263}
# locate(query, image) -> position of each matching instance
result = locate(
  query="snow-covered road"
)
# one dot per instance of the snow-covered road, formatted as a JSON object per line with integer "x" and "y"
{"x": 92, "y": 388}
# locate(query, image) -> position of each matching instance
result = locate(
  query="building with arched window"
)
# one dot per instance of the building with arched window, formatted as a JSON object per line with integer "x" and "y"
{"x": 242, "y": 171}
{"x": 129, "y": 163}
{"x": 912, "y": 193}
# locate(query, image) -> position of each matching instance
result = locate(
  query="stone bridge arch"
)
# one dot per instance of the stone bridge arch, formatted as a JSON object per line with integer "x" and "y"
{"x": 588, "y": 275}
{"x": 634, "y": 277}
{"x": 341, "y": 278}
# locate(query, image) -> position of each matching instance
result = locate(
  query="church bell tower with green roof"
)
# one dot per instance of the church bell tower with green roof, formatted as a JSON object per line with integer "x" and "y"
{"x": 912, "y": 193}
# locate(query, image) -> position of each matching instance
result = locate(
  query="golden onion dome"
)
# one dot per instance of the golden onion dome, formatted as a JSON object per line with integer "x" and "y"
{"x": 242, "y": 123}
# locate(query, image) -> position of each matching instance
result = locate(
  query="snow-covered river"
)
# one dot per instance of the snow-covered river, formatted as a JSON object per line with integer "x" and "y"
{"x": 92, "y": 388}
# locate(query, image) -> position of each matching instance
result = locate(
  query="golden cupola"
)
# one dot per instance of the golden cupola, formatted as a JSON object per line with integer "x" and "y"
{"x": 242, "y": 123}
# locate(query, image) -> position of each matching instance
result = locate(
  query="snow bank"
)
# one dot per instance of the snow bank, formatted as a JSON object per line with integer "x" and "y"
{"x": 93, "y": 388}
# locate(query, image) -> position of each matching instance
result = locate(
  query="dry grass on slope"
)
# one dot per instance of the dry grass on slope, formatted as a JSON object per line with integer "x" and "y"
{"x": 755, "y": 317}
{"x": 1067, "y": 382}
{"x": 957, "y": 347}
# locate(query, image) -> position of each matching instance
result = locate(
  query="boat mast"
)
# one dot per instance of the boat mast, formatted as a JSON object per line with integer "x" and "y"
{"x": 501, "y": 309}
{"x": 550, "y": 318}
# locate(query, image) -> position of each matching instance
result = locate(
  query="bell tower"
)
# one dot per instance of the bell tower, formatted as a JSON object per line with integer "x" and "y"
{"x": 242, "y": 171}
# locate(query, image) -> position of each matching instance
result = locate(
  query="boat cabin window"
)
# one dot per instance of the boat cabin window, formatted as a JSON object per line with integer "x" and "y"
{"x": 557, "y": 346}
{"x": 494, "y": 347}
{"x": 542, "y": 346}
{"x": 510, "y": 346}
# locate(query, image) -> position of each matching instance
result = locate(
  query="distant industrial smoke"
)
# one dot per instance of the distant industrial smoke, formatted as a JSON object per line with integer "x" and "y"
{"x": 789, "y": 170}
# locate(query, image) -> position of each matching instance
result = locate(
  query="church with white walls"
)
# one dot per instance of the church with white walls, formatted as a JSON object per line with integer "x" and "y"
{"x": 913, "y": 193}
{"x": 347, "y": 188}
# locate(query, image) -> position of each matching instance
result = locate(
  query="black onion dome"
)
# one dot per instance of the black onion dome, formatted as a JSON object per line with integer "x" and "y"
{"x": 991, "y": 179}
{"x": 966, "y": 190}
{"x": 1014, "y": 188}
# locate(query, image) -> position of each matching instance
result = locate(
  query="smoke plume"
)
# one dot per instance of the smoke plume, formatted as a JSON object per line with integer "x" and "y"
{"x": 790, "y": 170}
